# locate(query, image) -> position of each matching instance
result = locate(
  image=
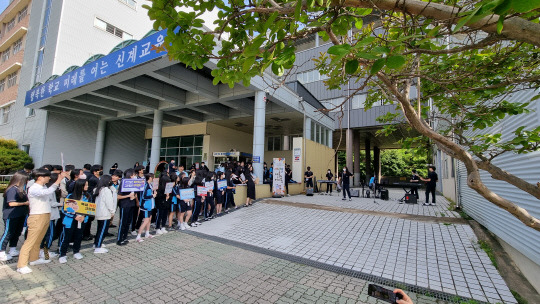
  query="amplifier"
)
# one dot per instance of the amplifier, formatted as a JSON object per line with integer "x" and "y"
{"x": 410, "y": 199}
{"x": 384, "y": 194}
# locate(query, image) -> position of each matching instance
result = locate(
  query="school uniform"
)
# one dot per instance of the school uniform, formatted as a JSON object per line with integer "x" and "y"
{"x": 105, "y": 209}
{"x": 162, "y": 209}
{"x": 182, "y": 204}
{"x": 229, "y": 195}
{"x": 92, "y": 184}
{"x": 210, "y": 200}
{"x": 197, "y": 204}
{"x": 147, "y": 201}
{"x": 73, "y": 230}
{"x": 14, "y": 217}
{"x": 175, "y": 207}
{"x": 127, "y": 208}
{"x": 137, "y": 216}
{"x": 50, "y": 236}
{"x": 345, "y": 183}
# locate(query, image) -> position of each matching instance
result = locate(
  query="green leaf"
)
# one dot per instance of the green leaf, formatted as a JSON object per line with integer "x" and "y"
{"x": 351, "y": 66}
{"x": 395, "y": 62}
{"x": 380, "y": 49}
{"x": 359, "y": 23}
{"x": 466, "y": 19}
{"x": 247, "y": 64}
{"x": 503, "y": 7}
{"x": 339, "y": 50}
{"x": 277, "y": 69}
{"x": 298, "y": 9}
{"x": 500, "y": 25}
{"x": 377, "y": 66}
{"x": 523, "y": 6}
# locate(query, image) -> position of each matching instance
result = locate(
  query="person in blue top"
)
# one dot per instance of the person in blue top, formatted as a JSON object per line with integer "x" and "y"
{"x": 344, "y": 178}
{"x": 174, "y": 201}
{"x": 219, "y": 193}
{"x": 14, "y": 214}
{"x": 147, "y": 204}
{"x": 73, "y": 223}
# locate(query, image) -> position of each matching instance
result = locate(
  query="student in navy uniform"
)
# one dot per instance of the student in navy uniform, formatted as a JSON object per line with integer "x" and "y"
{"x": 308, "y": 176}
{"x": 74, "y": 176}
{"x": 127, "y": 202}
{"x": 219, "y": 193}
{"x": 344, "y": 178}
{"x": 199, "y": 200}
{"x": 50, "y": 236}
{"x": 185, "y": 205}
{"x": 86, "y": 170}
{"x": 97, "y": 172}
{"x": 74, "y": 223}
{"x": 210, "y": 205}
{"x": 175, "y": 202}
{"x": 15, "y": 211}
{"x": 229, "y": 193}
{"x": 113, "y": 168}
{"x": 162, "y": 205}
{"x": 250, "y": 197}
{"x": 329, "y": 176}
{"x": 288, "y": 177}
{"x": 415, "y": 179}
{"x": 146, "y": 206}
{"x": 137, "y": 216}
{"x": 105, "y": 209}
{"x": 431, "y": 184}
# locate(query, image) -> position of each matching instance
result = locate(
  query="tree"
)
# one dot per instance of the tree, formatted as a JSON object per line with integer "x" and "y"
{"x": 11, "y": 157}
{"x": 465, "y": 56}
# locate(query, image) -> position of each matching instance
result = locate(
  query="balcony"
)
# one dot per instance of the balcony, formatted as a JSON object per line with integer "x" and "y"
{"x": 19, "y": 33}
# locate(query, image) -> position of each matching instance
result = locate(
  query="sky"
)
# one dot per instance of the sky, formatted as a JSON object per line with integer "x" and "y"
{"x": 3, "y": 5}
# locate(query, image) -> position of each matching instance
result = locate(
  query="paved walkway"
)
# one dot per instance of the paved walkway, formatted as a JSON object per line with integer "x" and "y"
{"x": 437, "y": 256}
{"x": 180, "y": 268}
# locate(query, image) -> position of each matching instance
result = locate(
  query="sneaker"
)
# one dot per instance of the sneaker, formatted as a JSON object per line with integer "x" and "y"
{"x": 24, "y": 270}
{"x": 149, "y": 236}
{"x": 112, "y": 226}
{"x": 134, "y": 233}
{"x": 425, "y": 204}
{"x": 52, "y": 255}
{"x": 62, "y": 260}
{"x": 343, "y": 199}
{"x": 153, "y": 225}
{"x": 350, "y": 199}
{"x": 139, "y": 240}
{"x": 187, "y": 226}
{"x": 122, "y": 243}
{"x": 432, "y": 204}
{"x": 159, "y": 232}
{"x": 78, "y": 256}
{"x": 41, "y": 254}
{"x": 5, "y": 257}
{"x": 13, "y": 252}
{"x": 163, "y": 230}
{"x": 39, "y": 262}
{"x": 100, "y": 250}
{"x": 182, "y": 227}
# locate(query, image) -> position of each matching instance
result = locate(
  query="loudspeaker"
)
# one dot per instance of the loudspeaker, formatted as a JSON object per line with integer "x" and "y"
{"x": 355, "y": 193}
{"x": 384, "y": 194}
{"x": 309, "y": 192}
{"x": 410, "y": 199}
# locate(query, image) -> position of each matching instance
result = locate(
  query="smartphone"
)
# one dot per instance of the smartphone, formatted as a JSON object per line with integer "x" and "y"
{"x": 384, "y": 294}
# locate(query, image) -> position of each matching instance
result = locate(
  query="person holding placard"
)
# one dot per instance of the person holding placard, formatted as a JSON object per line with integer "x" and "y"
{"x": 50, "y": 236}
{"x": 250, "y": 186}
{"x": 210, "y": 198}
{"x": 185, "y": 203}
{"x": 147, "y": 204}
{"x": 105, "y": 209}
{"x": 126, "y": 200}
{"x": 200, "y": 196}
{"x": 219, "y": 188}
{"x": 174, "y": 198}
{"x": 74, "y": 223}
{"x": 161, "y": 204}
{"x": 231, "y": 189}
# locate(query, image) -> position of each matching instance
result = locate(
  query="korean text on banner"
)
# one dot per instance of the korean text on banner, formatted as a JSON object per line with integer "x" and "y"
{"x": 278, "y": 187}
{"x": 155, "y": 184}
{"x": 133, "y": 185}
{"x": 168, "y": 187}
{"x": 222, "y": 184}
{"x": 209, "y": 185}
{"x": 186, "y": 194}
{"x": 79, "y": 207}
{"x": 202, "y": 191}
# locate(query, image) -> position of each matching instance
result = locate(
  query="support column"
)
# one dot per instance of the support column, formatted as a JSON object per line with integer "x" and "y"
{"x": 286, "y": 146}
{"x": 349, "y": 147}
{"x": 357, "y": 160}
{"x": 377, "y": 162}
{"x": 258, "y": 133}
{"x": 100, "y": 142}
{"x": 156, "y": 139}
{"x": 307, "y": 128}
{"x": 330, "y": 139}
{"x": 368, "y": 160}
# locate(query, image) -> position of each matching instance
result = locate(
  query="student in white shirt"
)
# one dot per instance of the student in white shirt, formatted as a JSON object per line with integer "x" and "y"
{"x": 38, "y": 220}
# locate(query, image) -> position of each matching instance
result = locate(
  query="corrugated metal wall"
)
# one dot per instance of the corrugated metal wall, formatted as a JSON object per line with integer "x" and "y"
{"x": 527, "y": 166}
{"x": 124, "y": 144}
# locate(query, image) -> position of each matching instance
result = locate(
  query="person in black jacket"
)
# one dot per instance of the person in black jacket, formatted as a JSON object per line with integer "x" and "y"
{"x": 250, "y": 186}
{"x": 344, "y": 178}
{"x": 431, "y": 184}
{"x": 288, "y": 177}
{"x": 415, "y": 179}
{"x": 329, "y": 176}
{"x": 162, "y": 205}
{"x": 127, "y": 202}
{"x": 96, "y": 171}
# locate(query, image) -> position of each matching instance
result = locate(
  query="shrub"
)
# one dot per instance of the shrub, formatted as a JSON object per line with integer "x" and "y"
{"x": 11, "y": 158}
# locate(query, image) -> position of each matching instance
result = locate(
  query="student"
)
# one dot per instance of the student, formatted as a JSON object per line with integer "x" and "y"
{"x": 204, "y": 167}
{"x": 27, "y": 169}
{"x": 127, "y": 202}
{"x": 288, "y": 178}
{"x": 219, "y": 193}
{"x": 74, "y": 223}
{"x": 38, "y": 220}
{"x": 172, "y": 167}
{"x": 65, "y": 182}
{"x": 415, "y": 179}
{"x": 115, "y": 184}
{"x": 210, "y": 196}
{"x": 250, "y": 178}
{"x": 14, "y": 214}
{"x": 97, "y": 172}
{"x": 431, "y": 185}
{"x": 86, "y": 170}
{"x": 162, "y": 205}
{"x": 308, "y": 176}
{"x": 231, "y": 189}
{"x": 199, "y": 200}
{"x": 175, "y": 202}
{"x": 105, "y": 209}
{"x": 185, "y": 205}
{"x": 50, "y": 236}
{"x": 113, "y": 168}
{"x": 146, "y": 206}
{"x": 271, "y": 176}
{"x": 344, "y": 178}
{"x": 137, "y": 216}
{"x": 57, "y": 169}
{"x": 329, "y": 176}
{"x": 136, "y": 165}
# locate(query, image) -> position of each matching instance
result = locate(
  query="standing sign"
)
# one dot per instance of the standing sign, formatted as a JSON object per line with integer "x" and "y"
{"x": 256, "y": 160}
{"x": 297, "y": 152}
{"x": 133, "y": 185}
{"x": 278, "y": 186}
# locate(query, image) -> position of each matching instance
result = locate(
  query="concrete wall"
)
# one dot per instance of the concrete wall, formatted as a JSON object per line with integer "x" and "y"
{"x": 318, "y": 157}
{"x": 124, "y": 144}
{"x": 530, "y": 269}
{"x": 262, "y": 191}
{"x": 270, "y": 155}
{"x": 224, "y": 139}
{"x": 180, "y": 130}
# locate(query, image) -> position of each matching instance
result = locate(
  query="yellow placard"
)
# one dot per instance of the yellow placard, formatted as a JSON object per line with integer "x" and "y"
{"x": 79, "y": 207}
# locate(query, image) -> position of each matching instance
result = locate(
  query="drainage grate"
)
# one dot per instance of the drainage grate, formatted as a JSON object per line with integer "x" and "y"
{"x": 451, "y": 298}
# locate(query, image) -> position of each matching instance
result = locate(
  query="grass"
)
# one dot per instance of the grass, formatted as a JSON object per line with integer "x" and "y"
{"x": 469, "y": 302}
{"x": 518, "y": 297}
{"x": 489, "y": 251}
{"x": 443, "y": 214}
{"x": 452, "y": 205}
{"x": 447, "y": 224}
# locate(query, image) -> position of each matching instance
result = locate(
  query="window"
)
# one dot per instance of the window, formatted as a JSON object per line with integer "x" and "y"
{"x": 26, "y": 148}
{"x": 10, "y": 24}
{"x": 358, "y": 101}
{"x": 109, "y": 28}
{"x": 5, "y": 54}
{"x": 185, "y": 150}
{"x": 4, "y": 114}
{"x": 17, "y": 46}
{"x": 2, "y": 84}
{"x": 30, "y": 112}
{"x": 310, "y": 76}
{"x": 130, "y": 3}
{"x": 43, "y": 40}
{"x": 274, "y": 143}
{"x": 12, "y": 79}
{"x": 22, "y": 14}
